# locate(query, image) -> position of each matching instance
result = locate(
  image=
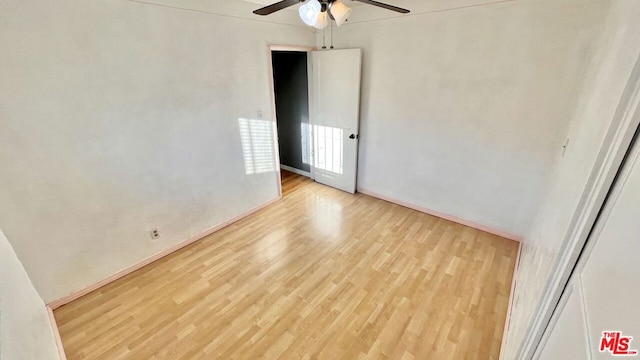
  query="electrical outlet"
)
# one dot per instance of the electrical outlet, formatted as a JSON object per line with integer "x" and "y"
{"x": 155, "y": 234}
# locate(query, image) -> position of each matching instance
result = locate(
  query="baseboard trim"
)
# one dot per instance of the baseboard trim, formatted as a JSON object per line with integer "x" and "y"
{"x": 56, "y": 333}
{"x": 75, "y": 295}
{"x": 295, "y": 171}
{"x": 507, "y": 320}
{"x": 455, "y": 219}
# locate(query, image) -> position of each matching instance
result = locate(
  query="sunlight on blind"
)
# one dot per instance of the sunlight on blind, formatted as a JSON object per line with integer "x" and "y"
{"x": 257, "y": 145}
{"x": 305, "y": 134}
{"x": 328, "y": 148}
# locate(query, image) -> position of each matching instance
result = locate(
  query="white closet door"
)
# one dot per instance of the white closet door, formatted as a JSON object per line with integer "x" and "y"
{"x": 611, "y": 274}
{"x": 567, "y": 339}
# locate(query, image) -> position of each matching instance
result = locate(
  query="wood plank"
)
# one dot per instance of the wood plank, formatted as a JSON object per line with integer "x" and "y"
{"x": 292, "y": 181}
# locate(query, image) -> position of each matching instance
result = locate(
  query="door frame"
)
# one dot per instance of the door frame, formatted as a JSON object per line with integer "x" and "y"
{"x": 272, "y": 94}
{"x": 616, "y": 145}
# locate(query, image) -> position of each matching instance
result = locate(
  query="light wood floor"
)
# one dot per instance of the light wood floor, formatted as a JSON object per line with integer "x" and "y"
{"x": 292, "y": 182}
{"x": 320, "y": 274}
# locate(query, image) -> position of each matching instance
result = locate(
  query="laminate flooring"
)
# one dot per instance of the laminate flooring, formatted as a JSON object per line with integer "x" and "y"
{"x": 320, "y": 274}
{"x": 292, "y": 182}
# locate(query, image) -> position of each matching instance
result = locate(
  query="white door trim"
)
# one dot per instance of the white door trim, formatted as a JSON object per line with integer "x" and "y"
{"x": 612, "y": 152}
{"x": 272, "y": 94}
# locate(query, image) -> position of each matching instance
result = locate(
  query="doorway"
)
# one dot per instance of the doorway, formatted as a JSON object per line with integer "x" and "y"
{"x": 291, "y": 101}
{"x": 291, "y": 92}
{"x": 316, "y": 105}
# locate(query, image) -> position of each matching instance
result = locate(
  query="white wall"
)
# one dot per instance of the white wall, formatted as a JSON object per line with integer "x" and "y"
{"x": 117, "y": 117}
{"x": 25, "y": 330}
{"x": 463, "y": 110}
{"x": 609, "y": 71}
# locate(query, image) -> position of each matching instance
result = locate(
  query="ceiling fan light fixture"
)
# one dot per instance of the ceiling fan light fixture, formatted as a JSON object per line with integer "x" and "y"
{"x": 322, "y": 21}
{"x": 309, "y": 12}
{"x": 313, "y": 8}
{"x": 340, "y": 12}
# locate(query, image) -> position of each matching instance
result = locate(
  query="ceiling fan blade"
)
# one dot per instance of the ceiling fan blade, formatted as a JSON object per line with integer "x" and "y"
{"x": 276, "y": 7}
{"x": 385, "y": 6}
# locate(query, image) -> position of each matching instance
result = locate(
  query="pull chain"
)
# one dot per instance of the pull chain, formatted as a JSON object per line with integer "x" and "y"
{"x": 323, "y": 44}
{"x": 331, "y": 32}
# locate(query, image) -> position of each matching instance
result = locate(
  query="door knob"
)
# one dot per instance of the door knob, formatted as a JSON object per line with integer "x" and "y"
{"x": 353, "y": 136}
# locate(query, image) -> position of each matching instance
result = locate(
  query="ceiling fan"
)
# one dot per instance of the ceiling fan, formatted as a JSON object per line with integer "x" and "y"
{"x": 318, "y": 12}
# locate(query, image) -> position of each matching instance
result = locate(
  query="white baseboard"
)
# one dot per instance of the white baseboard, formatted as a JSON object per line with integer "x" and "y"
{"x": 56, "y": 333}
{"x": 507, "y": 320}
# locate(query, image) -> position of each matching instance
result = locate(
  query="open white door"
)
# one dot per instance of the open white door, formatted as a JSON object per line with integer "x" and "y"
{"x": 334, "y": 116}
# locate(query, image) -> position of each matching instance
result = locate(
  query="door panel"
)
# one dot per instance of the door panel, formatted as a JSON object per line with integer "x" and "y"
{"x": 567, "y": 340}
{"x": 334, "y": 115}
{"x": 611, "y": 274}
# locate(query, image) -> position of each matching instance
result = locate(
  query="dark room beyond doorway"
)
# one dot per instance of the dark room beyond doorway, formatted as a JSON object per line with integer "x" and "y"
{"x": 291, "y": 89}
